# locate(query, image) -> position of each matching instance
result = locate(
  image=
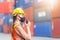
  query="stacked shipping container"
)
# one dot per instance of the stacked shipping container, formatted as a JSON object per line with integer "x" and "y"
{"x": 42, "y": 19}
{"x": 45, "y": 16}
{"x": 6, "y": 7}
{"x": 56, "y": 20}
{"x": 45, "y": 22}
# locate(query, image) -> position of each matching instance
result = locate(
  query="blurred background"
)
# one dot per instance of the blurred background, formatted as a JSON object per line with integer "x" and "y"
{"x": 44, "y": 16}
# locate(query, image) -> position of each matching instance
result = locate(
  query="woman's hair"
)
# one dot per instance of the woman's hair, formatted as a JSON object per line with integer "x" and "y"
{"x": 14, "y": 18}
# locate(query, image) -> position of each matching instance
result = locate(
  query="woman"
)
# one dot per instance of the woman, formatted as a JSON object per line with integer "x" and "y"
{"x": 18, "y": 33}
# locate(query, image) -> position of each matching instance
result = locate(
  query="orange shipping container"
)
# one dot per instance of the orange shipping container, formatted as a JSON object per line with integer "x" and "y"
{"x": 29, "y": 13}
{"x": 6, "y": 28}
{"x": 56, "y": 11}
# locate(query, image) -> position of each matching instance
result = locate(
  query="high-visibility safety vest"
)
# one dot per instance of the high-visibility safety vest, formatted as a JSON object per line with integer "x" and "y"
{"x": 14, "y": 32}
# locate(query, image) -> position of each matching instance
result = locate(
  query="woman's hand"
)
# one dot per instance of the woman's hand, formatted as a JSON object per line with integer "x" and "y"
{"x": 28, "y": 24}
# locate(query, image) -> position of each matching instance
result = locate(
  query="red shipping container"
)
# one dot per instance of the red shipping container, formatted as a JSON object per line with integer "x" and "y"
{"x": 56, "y": 11}
{"x": 6, "y": 28}
{"x": 6, "y": 7}
{"x": 31, "y": 28}
{"x": 56, "y": 27}
{"x": 29, "y": 13}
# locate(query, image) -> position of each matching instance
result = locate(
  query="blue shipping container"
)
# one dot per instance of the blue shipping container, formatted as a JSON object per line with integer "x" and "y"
{"x": 1, "y": 15}
{"x": 1, "y": 28}
{"x": 10, "y": 19}
{"x": 7, "y": 17}
{"x": 19, "y": 3}
{"x": 22, "y": 3}
{"x": 27, "y": 3}
{"x": 42, "y": 29}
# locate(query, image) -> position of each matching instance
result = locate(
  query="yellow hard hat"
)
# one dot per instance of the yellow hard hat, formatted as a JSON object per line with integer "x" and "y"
{"x": 18, "y": 10}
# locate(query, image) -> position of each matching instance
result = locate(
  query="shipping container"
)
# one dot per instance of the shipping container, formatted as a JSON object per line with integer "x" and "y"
{"x": 56, "y": 11}
{"x": 1, "y": 28}
{"x": 29, "y": 13}
{"x": 27, "y": 3}
{"x": 40, "y": 3}
{"x": 23, "y": 3}
{"x": 1, "y": 23}
{"x": 42, "y": 29}
{"x": 1, "y": 19}
{"x": 56, "y": 27}
{"x": 19, "y": 3}
{"x": 1, "y": 15}
{"x": 41, "y": 15}
{"x": 8, "y": 19}
{"x": 6, "y": 7}
{"x": 6, "y": 28}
